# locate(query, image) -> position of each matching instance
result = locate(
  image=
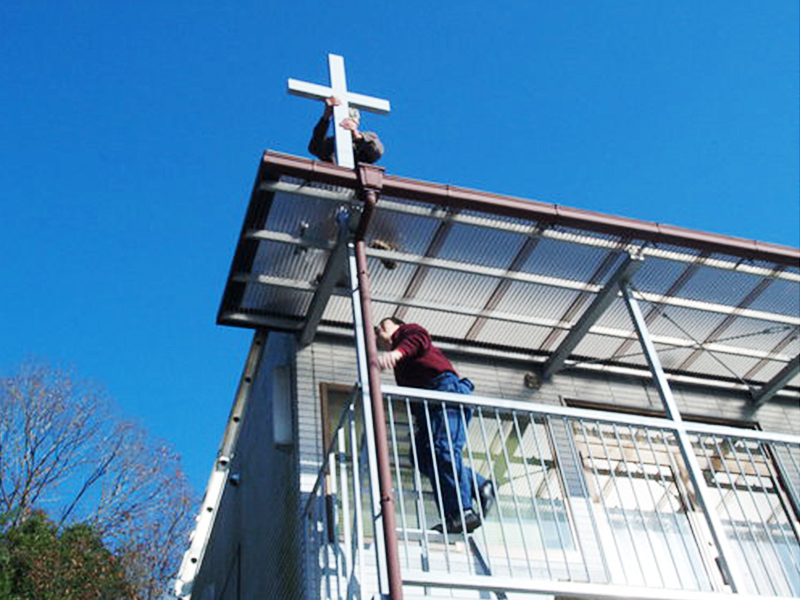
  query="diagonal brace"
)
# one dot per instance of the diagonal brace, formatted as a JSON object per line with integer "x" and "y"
{"x": 327, "y": 283}
{"x": 773, "y": 386}
{"x": 598, "y": 306}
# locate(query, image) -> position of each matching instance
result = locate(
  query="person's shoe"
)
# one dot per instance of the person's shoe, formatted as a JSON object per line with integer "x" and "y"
{"x": 471, "y": 520}
{"x": 486, "y": 496}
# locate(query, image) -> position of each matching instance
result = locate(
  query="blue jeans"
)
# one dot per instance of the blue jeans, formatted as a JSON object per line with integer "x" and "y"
{"x": 454, "y": 476}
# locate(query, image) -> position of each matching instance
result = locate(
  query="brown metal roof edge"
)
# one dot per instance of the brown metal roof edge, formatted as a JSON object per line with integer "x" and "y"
{"x": 275, "y": 164}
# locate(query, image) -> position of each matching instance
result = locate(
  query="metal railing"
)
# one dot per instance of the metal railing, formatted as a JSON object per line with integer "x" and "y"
{"x": 586, "y": 503}
{"x": 338, "y": 531}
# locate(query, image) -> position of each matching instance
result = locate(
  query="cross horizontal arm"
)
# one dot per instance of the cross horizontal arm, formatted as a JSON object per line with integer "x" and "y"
{"x": 369, "y": 103}
{"x": 320, "y": 92}
{"x": 309, "y": 90}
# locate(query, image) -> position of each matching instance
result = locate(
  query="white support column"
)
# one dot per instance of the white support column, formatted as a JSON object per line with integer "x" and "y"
{"x": 366, "y": 405}
{"x": 732, "y": 573}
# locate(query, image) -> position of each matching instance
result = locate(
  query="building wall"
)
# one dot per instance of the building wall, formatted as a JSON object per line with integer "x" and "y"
{"x": 333, "y": 361}
{"x": 253, "y": 549}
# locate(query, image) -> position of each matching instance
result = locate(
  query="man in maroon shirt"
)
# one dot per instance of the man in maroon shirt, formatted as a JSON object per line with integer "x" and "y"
{"x": 418, "y": 363}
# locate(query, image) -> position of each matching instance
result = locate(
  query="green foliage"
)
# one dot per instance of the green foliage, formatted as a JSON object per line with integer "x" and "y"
{"x": 40, "y": 562}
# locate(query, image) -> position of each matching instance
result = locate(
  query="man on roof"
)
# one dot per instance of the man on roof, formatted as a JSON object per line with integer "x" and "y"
{"x": 367, "y": 147}
{"x": 417, "y": 363}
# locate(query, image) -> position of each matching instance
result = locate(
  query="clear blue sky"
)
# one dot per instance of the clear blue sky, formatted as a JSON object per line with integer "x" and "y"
{"x": 131, "y": 134}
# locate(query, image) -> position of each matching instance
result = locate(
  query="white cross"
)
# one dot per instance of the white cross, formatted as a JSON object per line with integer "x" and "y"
{"x": 338, "y": 88}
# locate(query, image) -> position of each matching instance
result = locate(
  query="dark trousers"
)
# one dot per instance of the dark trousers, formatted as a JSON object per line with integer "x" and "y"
{"x": 454, "y": 476}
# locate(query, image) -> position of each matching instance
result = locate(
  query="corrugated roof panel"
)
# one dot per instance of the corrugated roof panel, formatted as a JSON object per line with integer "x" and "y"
{"x": 408, "y": 233}
{"x": 734, "y": 366}
{"x": 599, "y": 346}
{"x": 525, "y": 337}
{"x": 580, "y": 233}
{"x": 780, "y": 297}
{"x": 476, "y": 245}
{"x": 769, "y": 370}
{"x": 296, "y": 215}
{"x": 754, "y": 333}
{"x": 449, "y": 326}
{"x": 276, "y": 301}
{"x": 422, "y": 207}
{"x": 555, "y": 258}
{"x": 657, "y": 275}
{"x": 494, "y": 241}
{"x": 692, "y": 324}
{"x": 719, "y": 287}
{"x": 616, "y": 316}
{"x": 671, "y": 357}
{"x": 456, "y": 288}
{"x": 381, "y": 310}
{"x": 389, "y": 282}
{"x": 539, "y": 301}
{"x": 499, "y": 222}
{"x": 339, "y": 310}
{"x": 668, "y": 248}
{"x": 289, "y": 262}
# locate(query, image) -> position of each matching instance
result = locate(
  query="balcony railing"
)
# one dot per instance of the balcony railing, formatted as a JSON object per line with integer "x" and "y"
{"x": 588, "y": 504}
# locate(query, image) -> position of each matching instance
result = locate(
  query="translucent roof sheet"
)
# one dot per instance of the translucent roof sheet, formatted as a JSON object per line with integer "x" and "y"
{"x": 490, "y": 278}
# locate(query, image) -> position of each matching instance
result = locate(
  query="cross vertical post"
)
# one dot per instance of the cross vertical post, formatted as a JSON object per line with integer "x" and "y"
{"x": 343, "y": 137}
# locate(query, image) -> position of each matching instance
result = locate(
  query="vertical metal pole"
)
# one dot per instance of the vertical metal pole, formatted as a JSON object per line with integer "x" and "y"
{"x": 369, "y": 374}
{"x": 399, "y": 479}
{"x": 493, "y": 478}
{"x": 507, "y": 458}
{"x": 345, "y": 512}
{"x": 602, "y": 496}
{"x": 546, "y": 481}
{"x": 733, "y": 574}
{"x": 369, "y": 425}
{"x": 473, "y": 465}
{"x": 639, "y": 510}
